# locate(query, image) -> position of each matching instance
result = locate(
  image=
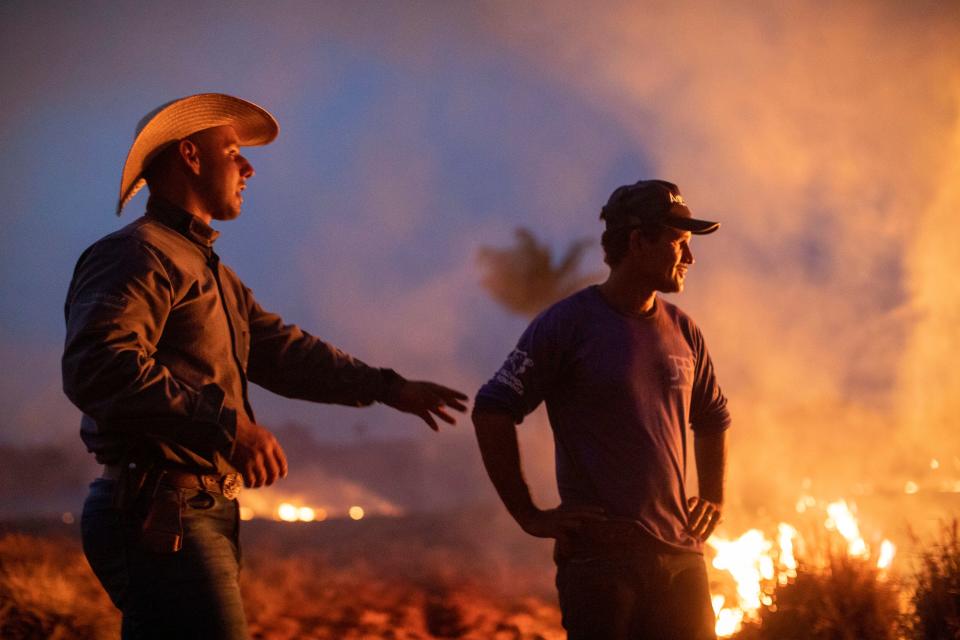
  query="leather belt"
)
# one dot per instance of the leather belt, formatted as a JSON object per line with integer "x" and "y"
{"x": 229, "y": 485}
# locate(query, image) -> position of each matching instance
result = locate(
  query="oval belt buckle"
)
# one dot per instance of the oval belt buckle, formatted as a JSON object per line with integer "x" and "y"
{"x": 231, "y": 485}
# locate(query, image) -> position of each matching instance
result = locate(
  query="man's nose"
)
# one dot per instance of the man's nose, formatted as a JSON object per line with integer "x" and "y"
{"x": 246, "y": 169}
{"x": 687, "y": 256}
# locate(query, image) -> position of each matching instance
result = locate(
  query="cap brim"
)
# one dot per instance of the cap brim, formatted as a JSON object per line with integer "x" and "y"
{"x": 693, "y": 225}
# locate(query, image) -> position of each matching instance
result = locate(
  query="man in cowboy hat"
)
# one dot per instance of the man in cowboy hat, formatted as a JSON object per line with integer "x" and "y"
{"x": 162, "y": 340}
{"x": 623, "y": 373}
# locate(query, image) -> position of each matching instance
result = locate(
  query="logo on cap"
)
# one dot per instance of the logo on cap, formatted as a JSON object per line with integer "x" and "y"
{"x": 677, "y": 198}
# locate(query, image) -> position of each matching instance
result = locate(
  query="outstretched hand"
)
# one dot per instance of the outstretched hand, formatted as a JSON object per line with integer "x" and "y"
{"x": 702, "y": 517}
{"x": 427, "y": 399}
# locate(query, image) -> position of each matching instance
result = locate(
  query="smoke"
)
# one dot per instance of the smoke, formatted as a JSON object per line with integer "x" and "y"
{"x": 825, "y": 139}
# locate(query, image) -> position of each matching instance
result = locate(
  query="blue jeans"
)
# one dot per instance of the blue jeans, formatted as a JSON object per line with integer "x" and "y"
{"x": 634, "y": 594}
{"x": 190, "y": 593}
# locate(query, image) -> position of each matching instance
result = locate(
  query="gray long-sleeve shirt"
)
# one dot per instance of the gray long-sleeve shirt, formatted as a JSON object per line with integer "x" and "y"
{"x": 162, "y": 339}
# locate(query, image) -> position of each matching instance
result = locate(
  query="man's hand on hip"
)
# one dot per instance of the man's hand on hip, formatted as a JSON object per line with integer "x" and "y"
{"x": 427, "y": 399}
{"x": 702, "y": 517}
{"x": 257, "y": 454}
{"x": 558, "y": 523}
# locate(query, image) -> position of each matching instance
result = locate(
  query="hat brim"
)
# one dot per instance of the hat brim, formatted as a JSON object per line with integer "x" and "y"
{"x": 183, "y": 117}
{"x": 693, "y": 225}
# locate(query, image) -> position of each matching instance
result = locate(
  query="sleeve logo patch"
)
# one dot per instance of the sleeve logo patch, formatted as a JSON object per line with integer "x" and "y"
{"x": 511, "y": 373}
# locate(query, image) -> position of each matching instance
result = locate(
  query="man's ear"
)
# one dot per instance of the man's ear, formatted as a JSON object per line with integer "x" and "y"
{"x": 190, "y": 154}
{"x": 637, "y": 242}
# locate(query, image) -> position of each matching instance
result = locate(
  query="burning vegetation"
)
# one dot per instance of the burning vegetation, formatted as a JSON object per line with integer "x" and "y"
{"x": 472, "y": 575}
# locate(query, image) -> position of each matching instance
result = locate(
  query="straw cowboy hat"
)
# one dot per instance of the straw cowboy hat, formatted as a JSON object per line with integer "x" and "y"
{"x": 178, "y": 119}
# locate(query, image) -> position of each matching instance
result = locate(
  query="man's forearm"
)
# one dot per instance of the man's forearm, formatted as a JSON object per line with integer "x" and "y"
{"x": 711, "y": 456}
{"x": 497, "y": 437}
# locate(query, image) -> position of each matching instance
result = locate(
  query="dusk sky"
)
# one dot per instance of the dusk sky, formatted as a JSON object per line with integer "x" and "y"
{"x": 825, "y": 137}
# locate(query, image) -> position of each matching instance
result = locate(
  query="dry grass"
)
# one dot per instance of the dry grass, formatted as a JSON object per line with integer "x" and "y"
{"x": 48, "y": 591}
{"x": 304, "y": 597}
{"x": 328, "y": 581}
{"x": 936, "y": 597}
{"x": 847, "y": 599}
{"x": 429, "y": 578}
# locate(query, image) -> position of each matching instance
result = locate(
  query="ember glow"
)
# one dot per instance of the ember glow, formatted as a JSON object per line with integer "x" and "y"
{"x": 757, "y": 564}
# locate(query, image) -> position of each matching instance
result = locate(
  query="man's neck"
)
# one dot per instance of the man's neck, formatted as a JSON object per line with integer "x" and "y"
{"x": 626, "y": 296}
{"x": 188, "y": 201}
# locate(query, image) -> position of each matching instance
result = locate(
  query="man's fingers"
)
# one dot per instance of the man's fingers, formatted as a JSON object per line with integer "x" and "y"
{"x": 714, "y": 521}
{"x": 703, "y": 519}
{"x": 697, "y": 517}
{"x": 282, "y": 461}
{"x": 253, "y": 473}
{"x": 443, "y": 415}
{"x": 453, "y": 404}
{"x": 271, "y": 468}
{"x": 426, "y": 417}
{"x": 450, "y": 397}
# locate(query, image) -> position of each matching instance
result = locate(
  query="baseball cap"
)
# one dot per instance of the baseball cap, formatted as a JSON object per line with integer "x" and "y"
{"x": 649, "y": 201}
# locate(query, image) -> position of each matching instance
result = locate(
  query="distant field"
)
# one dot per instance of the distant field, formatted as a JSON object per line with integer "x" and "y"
{"x": 467, "y": 575}
{"x": 470, "y": 574}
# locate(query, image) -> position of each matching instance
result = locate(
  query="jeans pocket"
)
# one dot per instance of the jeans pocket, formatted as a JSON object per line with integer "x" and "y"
{"x": 162, "y": 529}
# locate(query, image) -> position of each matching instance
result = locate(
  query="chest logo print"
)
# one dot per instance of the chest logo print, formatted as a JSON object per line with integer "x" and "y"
{"x": 681, "y": 371}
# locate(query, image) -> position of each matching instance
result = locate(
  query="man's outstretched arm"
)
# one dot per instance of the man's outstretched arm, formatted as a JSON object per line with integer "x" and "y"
{"x": 497, "y": 438}
{"x": 710, "y": 450}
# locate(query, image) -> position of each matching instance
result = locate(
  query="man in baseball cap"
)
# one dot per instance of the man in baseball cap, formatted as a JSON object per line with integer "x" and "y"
{"x": 652, "y": 202}
{"x": 162, "y": 341}
{"x": 624, "y": 374}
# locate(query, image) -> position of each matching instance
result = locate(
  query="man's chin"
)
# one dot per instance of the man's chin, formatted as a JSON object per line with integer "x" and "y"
{"x": 672, "y": 286}
{"x": 227, "y": 214}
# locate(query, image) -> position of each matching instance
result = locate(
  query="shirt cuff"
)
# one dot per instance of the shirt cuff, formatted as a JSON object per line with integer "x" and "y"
{"x": 223, "y": 420}
{"x": 388, "y": 386}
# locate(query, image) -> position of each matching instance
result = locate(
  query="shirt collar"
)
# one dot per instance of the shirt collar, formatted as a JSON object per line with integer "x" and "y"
{"x": 181, "y": 221}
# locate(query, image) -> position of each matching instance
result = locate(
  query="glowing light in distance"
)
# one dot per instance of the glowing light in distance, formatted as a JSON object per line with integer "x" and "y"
{"x": 67, "y": 518}
{"x": 934, "y": 464}
{"x": 910, "y": 488}
{"x": 246, "y": 513}
{"x": 287, "y": 512}
{"x": 356, "y": 513}
{"x": 306, "y": 514}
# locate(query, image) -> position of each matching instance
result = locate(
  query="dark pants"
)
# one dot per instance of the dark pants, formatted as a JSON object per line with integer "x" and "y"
{"x": 190, "y": 593}
{"x": 634, "y": 594}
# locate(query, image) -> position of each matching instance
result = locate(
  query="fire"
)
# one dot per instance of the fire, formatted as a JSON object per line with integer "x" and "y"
{"x": 887, "y": 551}
{"x": 843, "y": 521}
{"x": 289, "y": 512}
{"x": 758, "y": 564}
